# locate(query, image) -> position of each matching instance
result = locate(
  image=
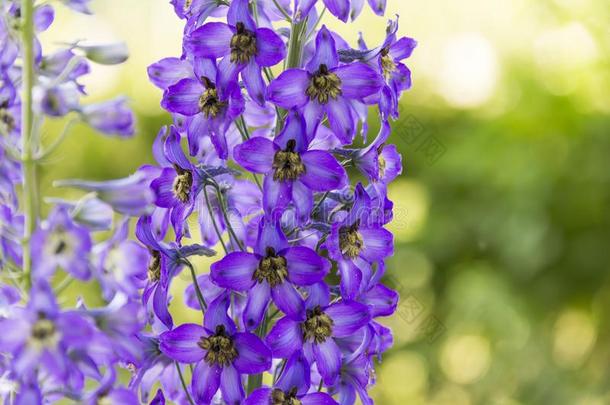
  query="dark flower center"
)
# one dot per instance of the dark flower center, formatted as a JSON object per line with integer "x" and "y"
{"x": 324, "y": 85}
{"x": 243, "y": 45}
{"x": 350, "y": 240}
{"x": 182, "y": 184}
{"x": 59, "y": 242}
{"x": 381, "y": 161}
{"x": 279, "y": 397}
{"x": 271, "y": 269}
{"x": 154, "y": 267}
{"x": 318, "y": 326}
{"x": 7, "y": 120}
{"x": 219, "y": 346}
{"x": 287, "y": 164}
{"x": 387, "y": 63}
{"x": 44, "y": 332}
{"x": 209, "y": 103}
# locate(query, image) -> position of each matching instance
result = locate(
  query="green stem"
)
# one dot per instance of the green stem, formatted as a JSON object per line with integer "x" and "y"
{"x": 225, "y": 215}
{"x": 184, "y": 387}
{"x": 295, "y": 46}
{"x": 202, "y": 303}
{"x": 209, "y": 205}
{"x": 30, "y": 198}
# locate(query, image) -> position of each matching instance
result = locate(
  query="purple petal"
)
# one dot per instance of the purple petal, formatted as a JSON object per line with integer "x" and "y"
{"x": 378, "y": 6}
{"x": 296, "y": 374}
{"x": 294, "y": 129}
{"x": 270, "y": 47}
{"x": 358, "y": 80}
{"x": 289, "y": 301}
{"x": 338, "y": 8}
{"x": 270, "y": 235}
{"x": 348, "y": 317}
{"x": 172, "y": 149}
{"x": 205, "y": 382}
{"x": 259, "y": 396}
{"x": 217, "y": 314}
{"x": 326, "y": 53}
{"x": 258, "y": 299}
{"x": 227, "y": 73}
{"x": 328, "y": 360}
{"x": 284, "y": 338}
{"x": 255, "y": 155}
{"x": 288, "y": 90}
{"x": 305, "y": 266}
{"x": 254, "y": 82}
{"x": 340, "y": 119}
{"x": 211, "y": 40}
{"x": 317, "y": 295}
{"x": 163, "y": 186}
{"x": 183, "y": 97}
{"x": 378, "y": 243}
{"x": 351, "y": 279}
{"x": 276, "y": 196}
{"x": 254, "y": 357}
{"x": 235, "y": 271}
{"x": 43, "y": 17}
{"x": 180, "y": 344}
{"x": 302, "y": 196}
{"x": 318, "y": 398}
{"x": 403, "y": 48}
{"x": 381, "y": 300}
{"x": 322, "y": 171}
{"x": 169, "y": 71}
{"x": 160, "y": 306}
{"x": 231, "y": 386}
{"x": 239, "y": 12}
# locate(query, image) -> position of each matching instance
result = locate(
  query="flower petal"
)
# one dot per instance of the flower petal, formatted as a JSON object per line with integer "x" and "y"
{"x": 258, "y": 299}
{"x": 403, "y": 48}
{"x": 305, "y": 266}
{"x": 253, "y": 79}
{"x": 288, "y": 300}
{"x": 295, "y": 130}
{"x": 378, "y": 243}
{"x": 284, "y": 338}
{"x": 348, "y": 317}
{"x": 338, "y": 8}
{"x": 235, "y": 271}
{"x": 358, "y": 80}
{"x": 276, "y": 196}
{"x": 381, "y": 300}
{"x": 326, "y": 52}
{"x": 211, "y": 40}
{"x": 231, "y": 386}
{"x": 288, "y": 90}
{"x": 319, "y": 398}
{"x": 183, "y": 97}
{"x": 302, "y": 196}
{"x": 254, "y": 356}
{"x": 259, "y": 396}
{"x": 270, "y": 47}
{"x": 296, "y": 374}
{"x": 255, "y": 155}
{"x": 205, "y": 382}
{"x": 180, "y": 344}
{"x": 341, "y": 120}
{"x": 217, "y": 314}
{"x": 322, "y": 171}
{"x": 328, "y": 360}
{"x": 169, "y": 71}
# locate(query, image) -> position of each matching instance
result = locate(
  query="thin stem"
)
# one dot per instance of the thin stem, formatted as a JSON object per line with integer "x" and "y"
{"x": 65, "y": 283}
{"x": 295, "y": 47}
{"x": 277, "y": 374}
{"x": 223, "y": 208}
{"x": 281, "y": 9}
{"x": 30, "y": 198}
{"x": 313, "y": 30}
{"x": 202, "y": 303}
{"x": 184, "y": 387}
{"x": 218, "y": 233}
{"x": 57, "y": 142}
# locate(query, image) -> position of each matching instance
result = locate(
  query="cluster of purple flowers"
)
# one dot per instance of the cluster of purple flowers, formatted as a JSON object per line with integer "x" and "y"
{"x": 259, "y": 154}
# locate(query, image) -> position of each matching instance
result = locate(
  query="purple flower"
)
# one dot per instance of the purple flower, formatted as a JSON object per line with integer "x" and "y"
{"x": 326, "y": 88}
{"x": 112, "y": 117}
{"x": 291, "y": 387}
{"x": 108, "y": 393}
{"x": 40, "y": 335}
{"x": 166, "y": 261}
{"x": 220, "y": 353}
{"x": 293, "y": 172}
{"x": 379, "y": 161}
{"x": 210, "y": 107}
{"x": 82, "y": 6}
{"x": 273, "y": 271}
{"x": 243, "y": 47}
{"x": 317, "y": 335}
{"x": 357, "y": 241}
{"x": 60, "y": 242}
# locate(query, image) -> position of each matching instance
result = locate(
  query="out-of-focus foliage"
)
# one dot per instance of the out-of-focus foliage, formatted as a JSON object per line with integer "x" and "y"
{"x": 502, "y": 224}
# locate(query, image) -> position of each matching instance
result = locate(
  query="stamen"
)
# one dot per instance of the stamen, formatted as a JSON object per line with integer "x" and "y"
{"x": 287, "y": 163}
{"x": 219, "y": 346}
{"x": 154, "y": 267}
{"x": 272, "y": 269}
{"x": 279, "y": 397}
{"x": 350, "y": 240}
{"x": 209, "y": 103}
{"x": 182, "y": 184}
{"x": 387, "y": 63}
{"x": 243, "y": 45}
{"x": 324, "y": 85}
{"x": 318, "y": 326}
{"x": 44, "y": 332}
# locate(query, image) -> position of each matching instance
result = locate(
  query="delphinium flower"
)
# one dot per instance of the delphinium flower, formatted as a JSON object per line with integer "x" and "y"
{"x": 301, "y": 279}
{"x": 51, "y": 349}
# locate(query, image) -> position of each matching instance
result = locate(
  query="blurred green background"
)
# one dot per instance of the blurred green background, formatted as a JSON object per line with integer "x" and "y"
{"x": 501, "y": 222}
